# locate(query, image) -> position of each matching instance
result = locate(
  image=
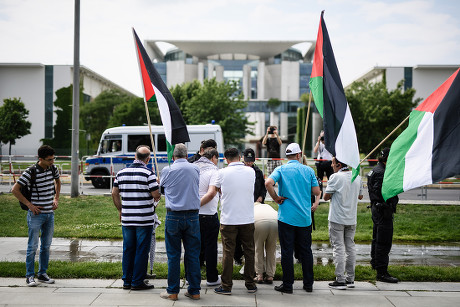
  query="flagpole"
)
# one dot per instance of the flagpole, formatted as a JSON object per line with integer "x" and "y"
{"x": 386, "y": 138}
{"x": 157, "y": 171}
{"x": 306, "y": 128}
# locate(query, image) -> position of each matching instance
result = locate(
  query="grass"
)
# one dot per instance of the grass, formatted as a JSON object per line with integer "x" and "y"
{"x": 105, "y": 270}
{"x": 95, "y": 217}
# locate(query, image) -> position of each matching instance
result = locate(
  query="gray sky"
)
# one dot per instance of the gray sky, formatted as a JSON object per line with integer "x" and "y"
{"x": 363, "y": 33}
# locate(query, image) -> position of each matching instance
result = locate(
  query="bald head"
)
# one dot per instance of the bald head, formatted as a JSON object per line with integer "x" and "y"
{"x": 143, "y": 153}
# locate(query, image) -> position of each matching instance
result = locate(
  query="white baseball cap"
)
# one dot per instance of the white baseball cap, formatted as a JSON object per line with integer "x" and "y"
{"x": 293, "y": 149}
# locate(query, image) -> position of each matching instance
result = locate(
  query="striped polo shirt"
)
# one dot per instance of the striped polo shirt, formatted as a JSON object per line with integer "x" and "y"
{"x": 136, "y": 183}
{"x": 43, "y": 189}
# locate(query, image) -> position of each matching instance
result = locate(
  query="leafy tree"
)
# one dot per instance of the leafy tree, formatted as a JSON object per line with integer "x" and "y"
{"x": 132, "y": 113}
{"x": 377, "y": 111}
{"x": 273, "y": 103}
{"x": 218, "y": 101}
{"x": 13, "y": 121}
{"x": 95, "y": 115}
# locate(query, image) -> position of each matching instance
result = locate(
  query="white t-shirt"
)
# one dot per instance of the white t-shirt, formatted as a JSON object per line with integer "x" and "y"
{"x": 208, "y": 177}
{"x": 323, "y": 153}
{"x": 236, "y": 182}
{"x": 344, "y": 201}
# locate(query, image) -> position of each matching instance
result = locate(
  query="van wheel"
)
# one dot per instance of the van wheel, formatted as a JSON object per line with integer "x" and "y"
{"x": 100, "y": 182}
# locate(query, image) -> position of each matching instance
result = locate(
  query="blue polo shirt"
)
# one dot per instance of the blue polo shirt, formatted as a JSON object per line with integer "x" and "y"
{"x": 295, "y": 181}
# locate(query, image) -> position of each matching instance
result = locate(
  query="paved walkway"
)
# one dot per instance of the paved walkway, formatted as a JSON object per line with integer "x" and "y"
{"x": 109, "y": 292}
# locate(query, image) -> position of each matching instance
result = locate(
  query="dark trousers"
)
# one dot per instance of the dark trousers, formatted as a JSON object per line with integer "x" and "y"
{"x": 298, "y": 238}
{"x": 228, "y": 234}
{"x": 382, "y": 237}
{"x": 324, "y": 167}
{"x": 209, "y": 229}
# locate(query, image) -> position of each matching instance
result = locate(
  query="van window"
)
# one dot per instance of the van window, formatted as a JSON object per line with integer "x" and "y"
{"x": 111, "y": 143}
{"x": 161, "y": 143}
{"x": 136, "y": 140}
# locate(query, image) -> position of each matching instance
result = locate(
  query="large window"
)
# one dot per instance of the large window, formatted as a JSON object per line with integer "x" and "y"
{"x": 111, "y": 144}
{"x": 136, "y": 140}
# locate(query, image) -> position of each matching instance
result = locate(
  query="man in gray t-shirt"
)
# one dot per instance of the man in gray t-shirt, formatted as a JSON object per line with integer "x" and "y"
{"x": 344, "y": 195}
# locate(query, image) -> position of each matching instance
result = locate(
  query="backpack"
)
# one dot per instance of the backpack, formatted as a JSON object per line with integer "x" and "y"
{"x": 26, "y": 191}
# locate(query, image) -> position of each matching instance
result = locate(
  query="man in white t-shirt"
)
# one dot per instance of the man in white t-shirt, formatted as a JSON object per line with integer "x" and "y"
{"x": 209, "y": 221}
{"x": 236, "y": 183}
{"x": 344, "y": 195}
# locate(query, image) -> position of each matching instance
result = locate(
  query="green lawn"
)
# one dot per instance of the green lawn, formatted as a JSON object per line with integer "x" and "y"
{"x": 95, "y": 217}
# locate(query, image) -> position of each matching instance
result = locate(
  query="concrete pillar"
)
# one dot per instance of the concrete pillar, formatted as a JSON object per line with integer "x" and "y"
{"x": 200, "y": 72}
{"x": 261, "y": 81}
{"x": 283, "y": 127}
{"x": 210, "y": 71}
{"x": 247, "y": 81}
{"x": 317, "y": 126}
{"x": 220, "y": 73}
{"x": 275, "y": 119}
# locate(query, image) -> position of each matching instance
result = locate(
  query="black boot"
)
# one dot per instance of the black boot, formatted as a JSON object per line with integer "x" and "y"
{"x": 386, "y": 277}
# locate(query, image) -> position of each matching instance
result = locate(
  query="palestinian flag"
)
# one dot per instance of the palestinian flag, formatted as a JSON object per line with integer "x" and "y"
{"x": 155, "y": 90}
{"x": 428, "y": 150}
{"x": 326, "y": 87}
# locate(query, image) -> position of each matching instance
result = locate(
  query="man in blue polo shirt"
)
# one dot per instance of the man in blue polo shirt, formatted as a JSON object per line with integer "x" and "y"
{"x": 296, "y": 182}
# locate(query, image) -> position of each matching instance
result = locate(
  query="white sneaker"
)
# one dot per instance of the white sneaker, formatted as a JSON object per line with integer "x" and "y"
{"x": 215, "y": 283}
{"x": 31, "y": 281}
{"x": 45, "y": 278}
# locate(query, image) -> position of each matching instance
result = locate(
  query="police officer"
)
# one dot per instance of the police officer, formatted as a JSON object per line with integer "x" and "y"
{"x": 382, "y": 217}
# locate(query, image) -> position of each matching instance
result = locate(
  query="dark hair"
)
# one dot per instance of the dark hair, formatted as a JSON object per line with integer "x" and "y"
{"x": 231, "y": 153}
{"x": 384, "y": 155}
{"x": 45, "y": 151}
{"x": 337, "y": 161}
{"x": 142, "y": 156}
{"x": 208, "y": 143}
{"x": 210, "y": 152}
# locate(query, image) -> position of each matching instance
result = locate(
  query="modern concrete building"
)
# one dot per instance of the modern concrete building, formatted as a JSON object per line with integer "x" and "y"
{"x": 263, "y": 69}
{"x": 425, "y": 79}
{"x": 36, "y": 85}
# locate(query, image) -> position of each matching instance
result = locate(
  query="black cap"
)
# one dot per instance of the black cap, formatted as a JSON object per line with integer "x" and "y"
{"x": 384, "y": 153}
{"x": 249, "y": 155}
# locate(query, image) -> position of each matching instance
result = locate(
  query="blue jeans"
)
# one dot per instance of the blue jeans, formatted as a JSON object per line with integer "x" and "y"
{"x": 136, "y": 247}
{"x": 299, "y": 238}
{"x": 183, "y": 226}
{"x": 41, "y": 224}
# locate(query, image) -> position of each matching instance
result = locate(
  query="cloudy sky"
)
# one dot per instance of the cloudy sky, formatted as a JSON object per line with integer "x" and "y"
{"x": 363, "y": 33}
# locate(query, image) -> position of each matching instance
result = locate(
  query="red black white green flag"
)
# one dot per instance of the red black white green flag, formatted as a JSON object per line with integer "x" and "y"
{"x": 155, "y": 90}
{"x": 326, "y": 87}
{"x": 428, "y": 150}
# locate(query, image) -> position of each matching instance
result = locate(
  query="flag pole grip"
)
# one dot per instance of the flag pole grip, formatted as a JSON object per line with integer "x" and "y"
{"x": 157, "y": 171}
{"x": 386, "y": 138}
{"x": 306, "y": 127}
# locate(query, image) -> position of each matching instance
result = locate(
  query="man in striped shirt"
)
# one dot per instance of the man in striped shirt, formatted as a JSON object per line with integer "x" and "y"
{"x": 134, "y": 192}
{"x": 43, "y": 179}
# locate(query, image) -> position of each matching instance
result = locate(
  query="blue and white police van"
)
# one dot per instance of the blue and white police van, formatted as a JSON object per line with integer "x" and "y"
{"x": 118, "y": 146}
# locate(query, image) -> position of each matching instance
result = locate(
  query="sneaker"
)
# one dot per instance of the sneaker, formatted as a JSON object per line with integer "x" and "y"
{"x": 167, "y": 296}
{"x": 45, "y": 278}
{"x": 126, "y": 286}
{"x": 142, "y": 286}
{"x": 252, "y": 289}
{"x": 308, "y": 289}
{"x": 214, "y": 283}
{"x": 337, "y": 285}
{"x": 387, "y": 278}
{"x": 31, "y": 281}
{"x": 350, "y": 284}
{"x": 282, "y": 288}
{"x": 192, "y": 296}
{"x": 221, "y": 290}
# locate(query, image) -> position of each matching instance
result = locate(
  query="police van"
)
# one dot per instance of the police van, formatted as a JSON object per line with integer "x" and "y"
{"x": 118, "y": 146}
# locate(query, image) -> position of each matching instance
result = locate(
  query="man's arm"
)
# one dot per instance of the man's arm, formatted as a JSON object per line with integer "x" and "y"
{"x": 315, "y": 150}
{"x": 210, "y": 194}
{"x": 270, "y": 185}
{"x": 57, "y": 185}
{"x": 156, "y": 195}
{"x": 16, "y": 190}
{"x": 328, "y": 196}
{"x": 117, "y": 200}
{"x": 317, "y": 192}
{"x": 277, "y": 137}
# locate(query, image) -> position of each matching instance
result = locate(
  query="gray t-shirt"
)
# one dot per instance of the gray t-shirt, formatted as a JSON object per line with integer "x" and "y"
{"x": 344, "y": 201}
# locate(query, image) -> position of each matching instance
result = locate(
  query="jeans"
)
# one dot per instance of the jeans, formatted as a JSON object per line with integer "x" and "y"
{"x": 41, "y": 224}
{"x": 299, "y": 238}
{"x": 136, "y": 247}
{"x": 209, "y": 229}
{"x": 183, "y": 226}
{"x": 228, "y": 235}
{"x": 343, "y": 250}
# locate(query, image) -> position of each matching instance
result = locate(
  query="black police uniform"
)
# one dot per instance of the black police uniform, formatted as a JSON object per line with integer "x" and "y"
{"x": 382, "y": 217}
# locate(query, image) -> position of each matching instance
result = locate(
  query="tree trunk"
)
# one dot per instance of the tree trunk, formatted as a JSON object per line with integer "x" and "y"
{"x": 9, "y": 151}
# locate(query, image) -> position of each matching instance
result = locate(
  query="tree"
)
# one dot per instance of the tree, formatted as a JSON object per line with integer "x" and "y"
{"x": 273, "y": 103}
{"x": 377, "y": 111}
{"x": 220, "y": 102}
{"x": 13, "y": 121}
{"x": 132, "y": 113}
{"x": 95, "y": 115}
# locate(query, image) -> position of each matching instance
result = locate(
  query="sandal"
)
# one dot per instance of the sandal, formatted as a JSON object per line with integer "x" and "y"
{"x": 268, "y": 280}
{"x": 259, "y": 279}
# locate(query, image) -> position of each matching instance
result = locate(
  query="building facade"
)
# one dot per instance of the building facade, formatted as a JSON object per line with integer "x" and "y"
{"x": 36, "y": 85}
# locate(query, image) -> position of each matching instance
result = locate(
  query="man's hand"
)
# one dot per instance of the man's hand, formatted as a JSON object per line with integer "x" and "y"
{"x": 268, "y": 130}
{"x": 259, "y": 199}
{"x": 279, "y": 199}
{"x": 36, "y": 210}
{"x": 55, "y": 203}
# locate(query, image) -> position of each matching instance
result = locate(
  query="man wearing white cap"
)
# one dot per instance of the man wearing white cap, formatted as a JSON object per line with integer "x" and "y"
{"x": 296, "y": 182}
